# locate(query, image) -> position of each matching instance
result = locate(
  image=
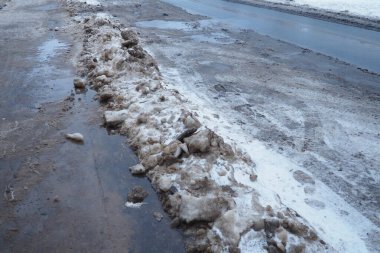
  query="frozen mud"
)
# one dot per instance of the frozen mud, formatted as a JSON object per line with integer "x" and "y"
{"x": 209, "y": 188}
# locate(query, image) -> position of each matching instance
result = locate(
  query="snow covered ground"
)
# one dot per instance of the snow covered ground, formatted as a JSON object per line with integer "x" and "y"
{"x": 365, "y": 8}
{"x": 277, "y": 176}
{"x": 90, "y": 2}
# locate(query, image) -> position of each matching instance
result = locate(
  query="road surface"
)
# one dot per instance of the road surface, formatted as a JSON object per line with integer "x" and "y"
{"x": 304, "y": 108}
{"x": 356, "y": 46}
{"x": 67, "y": 197}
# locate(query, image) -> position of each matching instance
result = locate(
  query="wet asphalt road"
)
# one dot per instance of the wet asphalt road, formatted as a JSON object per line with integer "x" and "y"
{"x": 353, "y": 45}
{"x": 67, "y": 197}
{"x": 70, "y": 197}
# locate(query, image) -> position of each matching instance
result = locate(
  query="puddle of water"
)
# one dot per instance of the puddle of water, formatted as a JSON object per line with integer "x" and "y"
{"x": 47, "y": 82}
{"x": 217, "y": 38}
{"x": 49, "y": 49}
{"x": 55, "y": 89}
{"x": 163, "y": 24}
{"x": 45, "y": 86}
{"x": 354, "y": 45}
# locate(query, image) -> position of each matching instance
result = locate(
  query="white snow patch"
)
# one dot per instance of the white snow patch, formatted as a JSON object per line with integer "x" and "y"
{"x": 275, "y": 183}
{"x": 344, "y": 233}
{"x": 134, "y": 205}
{"x": 365, "y": 8}
{"x": 90, "y": 2}
{"x": 220, "y": 175}
{"x": 253, "y": 241}
{"x": 103, "y": 15}
{"x": 243, "y": 177}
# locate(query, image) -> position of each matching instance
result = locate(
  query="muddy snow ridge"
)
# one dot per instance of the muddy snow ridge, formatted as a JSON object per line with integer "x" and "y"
{"x": 208, "y": 187}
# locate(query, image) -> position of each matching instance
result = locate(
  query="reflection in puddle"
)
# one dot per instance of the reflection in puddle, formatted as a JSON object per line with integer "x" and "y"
{"x": 201, "y": 26}
{"x": 162, "y": 24}
{"x": 49, "y": 82}
{"x": 49, "y": 49}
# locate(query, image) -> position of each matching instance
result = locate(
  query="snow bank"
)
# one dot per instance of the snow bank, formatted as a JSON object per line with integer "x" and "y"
{"x": 210, "y": 188}
{"x": 364, "y": 8}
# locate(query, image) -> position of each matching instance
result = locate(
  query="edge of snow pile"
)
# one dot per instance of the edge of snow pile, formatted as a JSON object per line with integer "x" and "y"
{"x": 206, "y": 186}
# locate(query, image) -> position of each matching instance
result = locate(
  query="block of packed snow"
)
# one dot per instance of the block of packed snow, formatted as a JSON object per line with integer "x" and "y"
{"x": 114, "y": 118}
{"x": 202, "y": 208}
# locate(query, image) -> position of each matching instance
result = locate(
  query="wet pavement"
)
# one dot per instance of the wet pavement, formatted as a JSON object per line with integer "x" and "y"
{"x": 353, "y": 45}
{"x": 61, "y": 196}
{"x": 70, "y": 197}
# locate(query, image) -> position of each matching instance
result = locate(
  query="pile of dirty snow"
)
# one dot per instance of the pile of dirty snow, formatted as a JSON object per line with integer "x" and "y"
{"x": 208, "y": 187}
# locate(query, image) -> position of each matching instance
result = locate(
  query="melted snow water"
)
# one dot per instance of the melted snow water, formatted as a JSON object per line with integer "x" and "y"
{"x": 163, "y": 24}
{"x": 49, "y": 49}
{"x": 354, "y": 45}
{"x": 92, "y": 180}
{"x": 218, "y": 38}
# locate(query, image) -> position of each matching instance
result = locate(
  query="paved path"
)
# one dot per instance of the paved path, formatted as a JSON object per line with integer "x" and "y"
{"x": 68, "y": 197}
